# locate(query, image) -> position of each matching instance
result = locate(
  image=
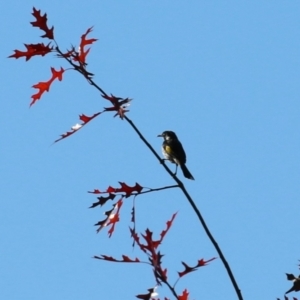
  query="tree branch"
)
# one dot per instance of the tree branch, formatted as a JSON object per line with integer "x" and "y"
{"x": 196, "y": 210}
{"x": 179, "y": 182}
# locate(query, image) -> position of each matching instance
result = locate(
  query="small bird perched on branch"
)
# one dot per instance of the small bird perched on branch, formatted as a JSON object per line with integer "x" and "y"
{"x": 174, "y": 152}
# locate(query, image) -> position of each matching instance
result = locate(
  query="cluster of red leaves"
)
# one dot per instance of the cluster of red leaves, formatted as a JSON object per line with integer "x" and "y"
{"x": 113, "y": 215}
{"x": 150, "y": 246}
{"x": 78, "y": 57}
{"x": 40, "y": 48}
{"x": 119, "y": 105}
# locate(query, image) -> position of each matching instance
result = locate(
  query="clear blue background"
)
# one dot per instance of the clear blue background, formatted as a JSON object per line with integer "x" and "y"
{"x": 224, "y": 75}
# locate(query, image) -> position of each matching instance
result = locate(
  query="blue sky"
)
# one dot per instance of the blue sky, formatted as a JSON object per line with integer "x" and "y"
{"x": 224, "y": 75}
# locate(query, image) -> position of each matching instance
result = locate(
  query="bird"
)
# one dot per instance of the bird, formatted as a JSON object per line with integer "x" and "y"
{"x": 173, "y": 151}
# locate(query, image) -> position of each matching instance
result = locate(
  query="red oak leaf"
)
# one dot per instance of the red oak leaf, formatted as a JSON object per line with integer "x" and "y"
{"x": 169, "y": 224}
{"x": 150, "y": 249}
{"x": 124, "y": 259}
{"x": 189, "y": 269}
{"x": 45, "y": 86}
{"x": 102, "y": 200}
{"x": 119, "y": 105}
{"x": 81, "y": 56}
{"x": 41, "y": 22}
{"x": 151, "y": 245}
{"x": 128, "y": 190}
{"x": 85, "y": 119}
{"x": 32, "y": 50}
{"x": 184, "y": 296}
{"x": 112, "y": 217}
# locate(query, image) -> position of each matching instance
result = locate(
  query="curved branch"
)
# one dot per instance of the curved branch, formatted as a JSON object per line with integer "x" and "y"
{"x": 180, "y": 184}
{"x": 196, "y": 210}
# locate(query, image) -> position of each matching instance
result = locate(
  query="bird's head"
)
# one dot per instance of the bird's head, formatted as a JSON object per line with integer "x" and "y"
{"x": 168, "y": 135}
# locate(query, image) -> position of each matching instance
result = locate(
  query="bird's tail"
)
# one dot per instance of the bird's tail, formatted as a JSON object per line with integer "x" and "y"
{"x": 186, "y": 172}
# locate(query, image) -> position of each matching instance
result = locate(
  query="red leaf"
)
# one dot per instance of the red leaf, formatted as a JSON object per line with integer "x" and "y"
{"x": 203, "y": 262}
{"x": 127, "y": 259}
{"x": 81, "y": 57}
{"x": 102, "y": 200}
{"x": 113, "y": 219}
{"x": 45, "y": 86}
{"x": 169, "y": 224}
{"x": 85, "y": 119}
{"x": 128, "y": 190}
{"x": 189, "y": 269}
{"x": 124, "y": 259}
{"x": 32, "y": 50}
{"x": 184, "y": 296}
{"x": 113, "y": 216}
{"x": 119, "y": 105}
{"x": 150, "y": 243}
{"x": 41, "y": 22}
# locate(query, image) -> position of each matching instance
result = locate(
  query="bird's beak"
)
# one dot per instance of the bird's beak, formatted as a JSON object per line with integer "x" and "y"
{"x": 160, "y": 135}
